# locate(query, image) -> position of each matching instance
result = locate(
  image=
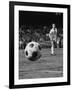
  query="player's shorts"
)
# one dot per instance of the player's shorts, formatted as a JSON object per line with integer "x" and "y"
{"x": 52, "y": 37}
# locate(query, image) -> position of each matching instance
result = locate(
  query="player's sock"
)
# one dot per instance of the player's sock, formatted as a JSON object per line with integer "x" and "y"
{"x": 52, "y": 50}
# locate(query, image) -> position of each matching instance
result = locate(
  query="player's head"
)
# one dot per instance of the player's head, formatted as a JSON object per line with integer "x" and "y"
{"x": 53, "y": 25}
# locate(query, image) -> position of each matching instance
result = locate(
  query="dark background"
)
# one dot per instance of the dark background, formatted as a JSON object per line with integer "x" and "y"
{"x": 36, "y": 19}
{"x": 35, "y": 26}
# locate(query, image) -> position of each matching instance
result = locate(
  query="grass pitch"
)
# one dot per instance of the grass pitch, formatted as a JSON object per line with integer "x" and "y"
{"x": 45, "y": 67}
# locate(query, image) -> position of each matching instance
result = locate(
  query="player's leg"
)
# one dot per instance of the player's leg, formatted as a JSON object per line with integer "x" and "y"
{"x": 58, "y": 44}
{"x": 52, "y": 47}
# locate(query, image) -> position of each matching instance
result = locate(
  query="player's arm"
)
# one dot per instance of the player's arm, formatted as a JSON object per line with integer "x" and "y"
{"x": 50, "y": 34}
{"x": 56, "y": 31}
{"x": 56, "y": 35}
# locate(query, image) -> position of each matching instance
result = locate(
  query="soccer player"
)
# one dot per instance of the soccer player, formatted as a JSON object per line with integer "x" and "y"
{"x": 53, "y": 38}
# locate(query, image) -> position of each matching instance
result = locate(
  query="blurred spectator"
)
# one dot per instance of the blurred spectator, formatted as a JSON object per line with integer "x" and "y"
{"x": 39, "y": 33}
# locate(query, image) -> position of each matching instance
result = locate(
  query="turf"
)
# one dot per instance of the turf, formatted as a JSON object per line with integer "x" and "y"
{"x": 45, "y": 67}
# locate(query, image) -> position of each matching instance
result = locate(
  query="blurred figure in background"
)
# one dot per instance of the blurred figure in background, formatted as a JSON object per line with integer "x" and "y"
{"x": 53, "y": 38}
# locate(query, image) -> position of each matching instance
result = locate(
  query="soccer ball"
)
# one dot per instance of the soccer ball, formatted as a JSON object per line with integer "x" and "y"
{"x": 33, "y": 51}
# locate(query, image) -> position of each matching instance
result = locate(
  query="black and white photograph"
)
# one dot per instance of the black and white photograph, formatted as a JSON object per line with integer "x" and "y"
{"x": 40, "y": 34}
{"x": 40, "y": 44}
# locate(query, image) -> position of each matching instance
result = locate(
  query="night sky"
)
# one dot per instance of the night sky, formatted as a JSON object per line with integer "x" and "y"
{"x": 40, "y": 18}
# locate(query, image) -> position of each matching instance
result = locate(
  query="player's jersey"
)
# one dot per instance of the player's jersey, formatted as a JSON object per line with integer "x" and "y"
{"x": 53, "y": 34}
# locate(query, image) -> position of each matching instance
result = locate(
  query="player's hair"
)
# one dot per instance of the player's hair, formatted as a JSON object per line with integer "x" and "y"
{"x": 54, "y": 24}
